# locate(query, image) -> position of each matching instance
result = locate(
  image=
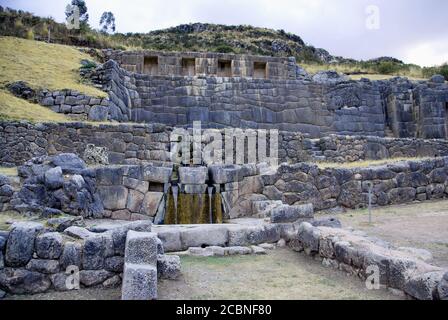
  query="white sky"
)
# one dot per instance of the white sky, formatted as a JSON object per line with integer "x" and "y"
{"x": 415, "y": 31}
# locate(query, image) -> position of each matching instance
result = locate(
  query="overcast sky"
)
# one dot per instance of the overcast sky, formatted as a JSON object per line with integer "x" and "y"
{"x": 415, "y": 31}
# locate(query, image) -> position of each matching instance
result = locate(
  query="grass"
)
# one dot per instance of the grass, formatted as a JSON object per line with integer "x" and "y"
{"x": 13, "y": 108}
{"x": 42, "y": 65}
{"x": 364, "y": 72}
{"x": 7, "y": 217}
{"x": 365, "y": 163}
{"x": 281, "y": 274}
{"x": 8, "y": 171}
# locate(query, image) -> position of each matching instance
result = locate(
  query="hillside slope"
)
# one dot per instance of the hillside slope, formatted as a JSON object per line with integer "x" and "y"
{"x": 42, "y": 66}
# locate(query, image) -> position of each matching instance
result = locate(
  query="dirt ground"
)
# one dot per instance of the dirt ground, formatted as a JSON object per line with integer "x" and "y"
{"x": 281, "y": 274}
{"x": 419, "y": 225}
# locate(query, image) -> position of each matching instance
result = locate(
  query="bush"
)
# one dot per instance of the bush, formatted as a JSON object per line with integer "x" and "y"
{"x": 387, "y": 67}
{"x": 224, "y": 49}
{"x": 30, "y": 34}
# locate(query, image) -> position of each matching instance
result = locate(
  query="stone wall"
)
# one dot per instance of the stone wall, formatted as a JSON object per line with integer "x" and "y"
{"x": 133, "y": 192}
{"x": 396, "y": 183}
{"x": 75, "y": 105}
{"x": 203, "y": 64}
{"x": 318, "y": 106}
{"x": 21, "y": 141}
{"x": 336, "y": 148}
{"x": 35, "y": 258}
{"x": 359, "y": 256}
{"x": 136, "y": 143}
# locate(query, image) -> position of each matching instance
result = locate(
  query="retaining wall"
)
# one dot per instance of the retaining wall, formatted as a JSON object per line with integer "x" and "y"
{"x": 396, "y": 183}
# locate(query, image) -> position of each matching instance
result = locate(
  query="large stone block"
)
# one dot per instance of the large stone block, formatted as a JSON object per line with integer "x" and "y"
{"x": 21, "y": 281}
{"x": 424, "y": 286}
{"x": 168, "y": 267}
{"x": 53, "y": 178}
{"x": 71, "y": 255}
{"x": 113, "y": 197}
{"x": 170, "y": 240}
{"x": 157, "y": 174}
{"x": 141, "y": 248}
{"x": 221, "y": 174}
{"x": 309, "y": 237}
{"x": 69, "y": 163}
{"x": 193, "y": 175}
{"x": 206, "y": 235}
{"x": 91, "y": 278}
{"x": 43, "y": 266}
{"x": 286, "y": 213}
{"x": 135, "y": 200}
{"x": 49, "y": 245}
{"x": 20, "y": 245}
{"x": 139, "y": 282}
{"x": 151, "y": 203}
{"x": 94, "y": 253}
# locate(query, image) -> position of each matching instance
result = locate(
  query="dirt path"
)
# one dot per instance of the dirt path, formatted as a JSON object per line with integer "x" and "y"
{"x": 419, "y": 225}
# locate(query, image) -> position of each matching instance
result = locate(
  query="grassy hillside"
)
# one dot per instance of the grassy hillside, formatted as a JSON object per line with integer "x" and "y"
{"x": 42, "y": 65}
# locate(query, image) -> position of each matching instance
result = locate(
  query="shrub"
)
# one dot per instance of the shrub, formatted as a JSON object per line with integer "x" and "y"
{"x": 224, "y": 49}
{"x": 386, "y": 67}
{"x": 29, "y": 34}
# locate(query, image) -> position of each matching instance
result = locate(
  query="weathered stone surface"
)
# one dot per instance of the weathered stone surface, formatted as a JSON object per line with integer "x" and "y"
{"x": 71, "y": 255}
{"x": 258, "y": 250}
{"x": 141, "y": 248}
{"x": 78, "y": 232}
{"x": 98, "y": 113}
{"x": 20, "y": 245}
{"x": 21, "y": 281}
{"x": 168, "y": 267}
{"x": 114, "y": 264}
{"x": 91, "y": 278}
{"x": 157, "y": 174}
{"x": 139, "y": 282}
{"x": 53, "y": 178}
{"x": 49, "y": 245}
{"x": 424, "y": 286}
{"x": 138, "y": 185}
{"x": 151, "y": 203}
{"x": 205, "y": 235}
{"x": 135, "y": 200}
{"x": 253, "y": 235}
{"x": 442, "y": 288}
{"x": 69, "y": 163}
{"x": 327, "y": 222}
{"x": 113, "y": 282}
{"x": 43, "y": 266}
{"x": 94, "y": 253}
{"x": 113, "y": 197}
{"x": 170, "y": 240}
{"x": 220, "y": 174}
{"x": 193, "y": 175}
{"x": 239, "y": 251}
{"x": 309, "y": 237}
{"x": 287, "y": 213}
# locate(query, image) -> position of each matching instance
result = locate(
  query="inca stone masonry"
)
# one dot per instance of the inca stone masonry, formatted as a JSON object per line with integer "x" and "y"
{"x": 225, "y": 90}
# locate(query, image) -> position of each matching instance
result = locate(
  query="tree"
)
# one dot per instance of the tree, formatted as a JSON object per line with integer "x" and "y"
{"x": 83, "y": 15}
{"x": 107, "y": 22}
